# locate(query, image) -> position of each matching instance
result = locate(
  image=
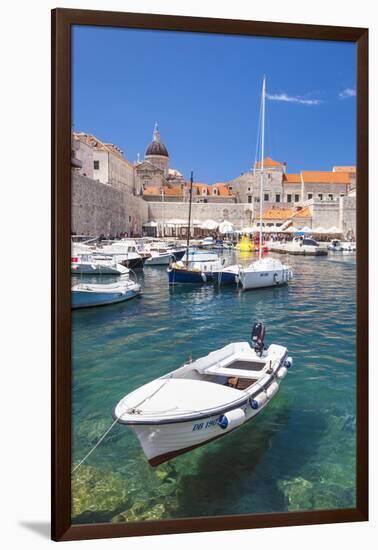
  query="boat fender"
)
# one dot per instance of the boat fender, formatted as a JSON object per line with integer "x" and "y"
{"x": 282, "y": 372}
{"x": 258, "y": 400}
{"x": 231, "y": 419}
{"x": 272, "y": 390}
{"x": 289, "y": 362}
{"x": 203, "y": 277}
{"x": 275, "y": 276}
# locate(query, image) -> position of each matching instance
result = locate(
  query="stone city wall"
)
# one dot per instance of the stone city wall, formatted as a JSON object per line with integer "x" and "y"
{"x": 348, "y": 215}
{"x": 100, "y": 208}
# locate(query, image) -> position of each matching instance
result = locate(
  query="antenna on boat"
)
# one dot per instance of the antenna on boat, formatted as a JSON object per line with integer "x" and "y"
{"x": 190, "y": 213}
{"x": 262, "y": 161}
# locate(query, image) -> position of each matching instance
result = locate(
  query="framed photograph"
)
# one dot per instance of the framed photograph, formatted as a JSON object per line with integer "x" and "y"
{"x": 210, "y": 253}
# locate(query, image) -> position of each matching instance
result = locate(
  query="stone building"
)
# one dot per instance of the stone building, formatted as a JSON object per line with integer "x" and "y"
{"x": 154, "y": 171}
{"x": 291, "y": 189}
{"x": 103, "y": 162}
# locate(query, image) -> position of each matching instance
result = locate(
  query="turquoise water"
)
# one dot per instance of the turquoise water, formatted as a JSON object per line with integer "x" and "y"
{"x": 298, "y": 454}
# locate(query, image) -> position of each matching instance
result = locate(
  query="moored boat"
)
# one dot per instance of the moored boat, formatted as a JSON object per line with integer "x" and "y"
{"x": 90, "y": 295}
{"x": 348, "y": 246}
{"x": 335, "y": 245}
{"x": 265, "y": 272}
{"x": 205, "y": 399}
{"x": 92, "y": 264}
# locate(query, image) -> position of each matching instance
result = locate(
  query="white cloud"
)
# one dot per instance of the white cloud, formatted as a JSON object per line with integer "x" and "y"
{"x": 348, "y": 92}
{"x": 292, "y": 99}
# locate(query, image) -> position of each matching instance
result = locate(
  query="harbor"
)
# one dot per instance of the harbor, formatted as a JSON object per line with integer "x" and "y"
{"x": 220, "y": 323}
{"x": 257, "y": 468}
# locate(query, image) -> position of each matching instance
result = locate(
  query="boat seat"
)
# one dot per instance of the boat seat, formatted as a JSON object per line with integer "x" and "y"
{"x": 217, "y": 370}
{"x": 224, "y": 356}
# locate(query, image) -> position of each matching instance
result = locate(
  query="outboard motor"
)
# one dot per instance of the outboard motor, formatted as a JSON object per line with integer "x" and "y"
{"x": 257, "y": 337}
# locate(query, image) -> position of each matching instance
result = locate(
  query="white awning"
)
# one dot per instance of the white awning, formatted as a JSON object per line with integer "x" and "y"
{"x": 176, "y": 221}
{"x": 209, "y": 224}
{"x": 150, "y": 224}
{"x": 226, "y": 227}
{"x": 306, "y": 229}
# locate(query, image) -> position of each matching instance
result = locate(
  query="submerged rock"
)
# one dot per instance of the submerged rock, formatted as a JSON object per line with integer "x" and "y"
{"x": 298, "y": 493}
{"x": 96, "y": 491}
{"x": 141, "y": 511}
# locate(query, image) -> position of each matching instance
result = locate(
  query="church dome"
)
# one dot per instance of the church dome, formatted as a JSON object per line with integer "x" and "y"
{"x": 156, "y": 148}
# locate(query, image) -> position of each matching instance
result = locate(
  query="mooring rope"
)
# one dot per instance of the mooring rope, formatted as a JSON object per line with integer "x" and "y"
{"x": 115, "y": 422}
{"x": 97, "y": 444}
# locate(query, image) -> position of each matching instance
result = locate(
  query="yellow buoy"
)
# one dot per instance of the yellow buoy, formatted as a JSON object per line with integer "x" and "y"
{"x": 245, "y": 245}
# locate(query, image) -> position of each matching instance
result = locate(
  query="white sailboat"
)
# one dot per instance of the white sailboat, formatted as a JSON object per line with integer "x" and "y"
{"x": 205, "y": 399}
{"x": 264, "y": 272}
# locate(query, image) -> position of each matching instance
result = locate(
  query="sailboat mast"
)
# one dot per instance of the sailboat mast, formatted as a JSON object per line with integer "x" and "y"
{"x": 262, "y": 163}
{"x": 190, "y": 213}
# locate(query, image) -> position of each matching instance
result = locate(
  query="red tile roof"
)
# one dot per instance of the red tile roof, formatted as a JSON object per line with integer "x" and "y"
{"x": 282, "y": 213}
{"x": 314, "y": 176}
{"x": 344, "y": 169}
{"x": 168, "y": 191}
{"x": 268, "y": 162}
{"x": 292, "y": 178}
{"x": 303, "y": 213}
{"x": 277, "y": 213}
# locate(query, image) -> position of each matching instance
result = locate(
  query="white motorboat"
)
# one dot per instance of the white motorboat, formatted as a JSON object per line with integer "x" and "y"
{"x": 335, "y": 245}
{"x": 205, "y": 399}
{"x": 91, "y": 264}
{"x": 126, "y": 252}
{"x": 91, "y": 295}
{"x": 348, "y": 246}
{"x": 207, "y": 242}
{"x": 163, "y": 254}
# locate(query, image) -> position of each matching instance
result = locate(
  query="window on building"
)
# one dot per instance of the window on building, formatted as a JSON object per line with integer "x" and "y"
{"x": 96, "y": 164}
{"x": 296, "y": 198}
{"x": 257, "y": 199}
{"x": 320, "y": 196}
{"x": 330, "y": 196}
{"x": 269, "y": 176}
{"x": 342, "y": 195}
{"x": 309, "y": 196}
{"x": 215, "y": 191}
{"x": 230, "y": 187}
{"x": 266, "y": 196}
{"x": 278, "y": 198}
{"x": 204, "y": 191}
{"x": 288, "y": 198}
{"x": 249, "y": 189}
{"x": 249, "y": 198}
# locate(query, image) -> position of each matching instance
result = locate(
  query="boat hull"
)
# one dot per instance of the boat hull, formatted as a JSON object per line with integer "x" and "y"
{"x": 161, "y": 259}
{"x": 187, "y": 276}
{"x": 226, "y": 277}
{"x": 166, "y": 441}
{"x": 267, "y": 278}
{"x": 82, "y": 299}
{"x": 88, "y": 269}
{"x": 134, "y": 263}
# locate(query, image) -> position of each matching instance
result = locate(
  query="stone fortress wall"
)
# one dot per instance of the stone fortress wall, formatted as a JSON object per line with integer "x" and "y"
{"x": 98, "y": 208}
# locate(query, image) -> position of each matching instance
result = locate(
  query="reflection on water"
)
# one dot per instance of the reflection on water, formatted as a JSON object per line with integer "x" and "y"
{"x": 298, "y": 454}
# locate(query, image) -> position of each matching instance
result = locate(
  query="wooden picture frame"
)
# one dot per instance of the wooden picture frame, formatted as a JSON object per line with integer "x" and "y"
{"x": 62, "y": 21}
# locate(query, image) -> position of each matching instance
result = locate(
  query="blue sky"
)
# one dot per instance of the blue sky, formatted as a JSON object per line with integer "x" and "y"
{"x": 204, "y": 91}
